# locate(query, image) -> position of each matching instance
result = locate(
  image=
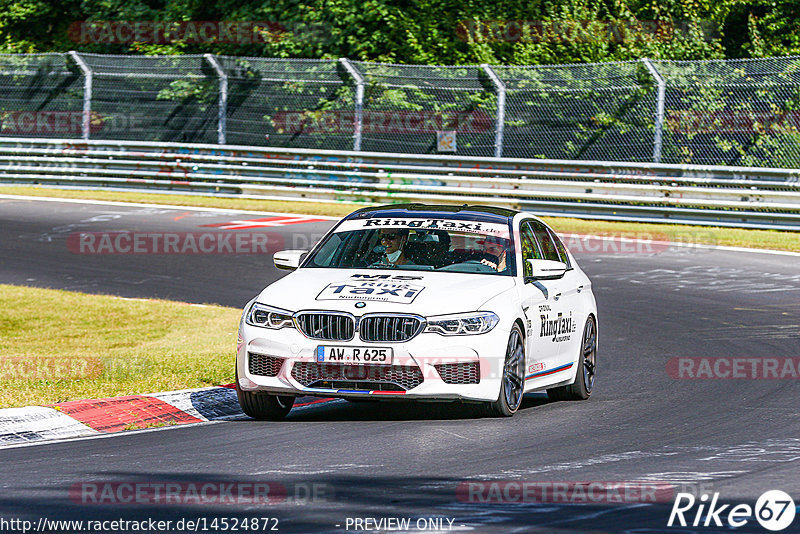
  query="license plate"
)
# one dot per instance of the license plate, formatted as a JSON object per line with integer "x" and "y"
{"x": 357, "y": 355}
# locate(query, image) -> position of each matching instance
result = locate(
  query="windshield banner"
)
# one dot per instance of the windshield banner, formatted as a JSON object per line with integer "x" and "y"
{"x": 449, "y": 225}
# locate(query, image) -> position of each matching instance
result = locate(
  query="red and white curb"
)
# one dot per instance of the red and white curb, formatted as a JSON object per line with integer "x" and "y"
{"x": 96, "y": 417}
{"x": 33, "y": 423}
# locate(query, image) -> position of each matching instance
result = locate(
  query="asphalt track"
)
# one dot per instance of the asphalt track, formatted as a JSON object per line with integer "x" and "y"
{"x": 737, "y": 437}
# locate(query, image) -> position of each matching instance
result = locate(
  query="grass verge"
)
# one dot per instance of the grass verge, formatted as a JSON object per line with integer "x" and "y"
{"x": 57, "y": 346}
{"x": 711, "y": 235}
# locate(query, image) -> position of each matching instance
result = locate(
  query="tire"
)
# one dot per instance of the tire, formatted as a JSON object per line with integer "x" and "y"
{"x": 581, "y": 387}
{"x": 512, "y": 385}
{"x": 263, "y": 406}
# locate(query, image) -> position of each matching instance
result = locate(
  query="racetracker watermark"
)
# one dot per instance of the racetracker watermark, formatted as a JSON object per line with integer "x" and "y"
{"x": 584, "y": 31}
{"x": 733, "y": 368}
{"x": 521, "y": 491}
{"x": 381, "y": 122}
{"x": 46, "y": 122}
{"x": 399, "y": 524}
{"x": 692, "y": 122}
{"x": 183, "y": 524}
{"x": 67, "y": 122}
{"x": 48, "y": 368}
{"x": 194, "y": 32}
{"x": 637, "y": 242}
{"x": 202, "y": 493}
{"x": 222, "y": 242}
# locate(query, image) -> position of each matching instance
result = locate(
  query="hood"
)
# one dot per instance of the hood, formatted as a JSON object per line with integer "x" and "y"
{"x": 421, "y": 292}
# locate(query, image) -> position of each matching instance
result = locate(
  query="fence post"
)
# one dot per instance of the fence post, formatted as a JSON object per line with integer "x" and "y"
{"x": 86, "y": 122}
{"x": 359, "y": 110}
{"x": 500, "y": 88}
{"x": 662, "y": 86}
{"x": 222, "y": 113}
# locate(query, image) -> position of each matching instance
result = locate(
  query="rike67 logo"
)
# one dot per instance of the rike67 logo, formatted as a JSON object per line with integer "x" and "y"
{"x": 774, "y": 510}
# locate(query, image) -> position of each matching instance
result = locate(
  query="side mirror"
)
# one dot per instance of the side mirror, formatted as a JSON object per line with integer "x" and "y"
{"x": 289, "y": 259}
{"x": 546, "y": 269}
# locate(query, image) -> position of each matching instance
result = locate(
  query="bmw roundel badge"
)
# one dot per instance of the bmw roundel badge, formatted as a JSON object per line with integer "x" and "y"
{"x": 360, "y": 304}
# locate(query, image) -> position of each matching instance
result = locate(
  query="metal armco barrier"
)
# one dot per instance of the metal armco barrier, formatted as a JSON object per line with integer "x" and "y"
{"x": 727, "y": 196}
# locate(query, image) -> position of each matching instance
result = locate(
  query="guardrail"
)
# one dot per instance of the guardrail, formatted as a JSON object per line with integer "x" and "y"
{"x": 689, "y": 194}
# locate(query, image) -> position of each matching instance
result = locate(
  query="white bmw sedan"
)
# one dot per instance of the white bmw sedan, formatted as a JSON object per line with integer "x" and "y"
{"x": 423, "y": 302}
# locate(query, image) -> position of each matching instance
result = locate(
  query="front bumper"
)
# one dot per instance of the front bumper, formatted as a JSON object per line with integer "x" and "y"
{"x": 429, "y": 366}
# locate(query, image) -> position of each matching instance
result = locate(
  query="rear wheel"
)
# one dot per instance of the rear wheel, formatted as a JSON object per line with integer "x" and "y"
{"x": 513, "y": 380}
{"x": 581, "y": 388}
{"x": 263, "y": 406}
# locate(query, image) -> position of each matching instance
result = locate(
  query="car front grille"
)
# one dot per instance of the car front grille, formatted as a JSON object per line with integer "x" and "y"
{"x": 332, "y": 326}
{"x": 460, "y": 373}
{"x": 389, "y": 328}
{"x": 372, "y": 377}
{"x": 261, "y": 365}
{"x": 327, "y": 326}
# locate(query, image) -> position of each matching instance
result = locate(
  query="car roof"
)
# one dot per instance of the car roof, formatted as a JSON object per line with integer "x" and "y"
{"x": 463, "y": 212}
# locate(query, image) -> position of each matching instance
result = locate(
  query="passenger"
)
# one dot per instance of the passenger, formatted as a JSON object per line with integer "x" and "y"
{"x": 496, "y": 248}
{"x": 438, "y": 245}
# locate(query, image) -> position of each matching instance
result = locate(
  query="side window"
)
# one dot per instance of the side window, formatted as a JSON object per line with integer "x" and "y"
{"x": 549, "y": 250}
{"x": 530, "y": 248}
{"x": 562, "y": 250}
{"x": 324, "y": 256}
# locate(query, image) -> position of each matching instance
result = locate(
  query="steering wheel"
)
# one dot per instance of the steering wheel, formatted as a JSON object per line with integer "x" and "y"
{"x": 477, "y": 262}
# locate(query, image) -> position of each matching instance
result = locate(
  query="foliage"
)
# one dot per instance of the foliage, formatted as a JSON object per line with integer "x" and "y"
{"x": 424, "y": 31}
{"x": 714, "y": 114}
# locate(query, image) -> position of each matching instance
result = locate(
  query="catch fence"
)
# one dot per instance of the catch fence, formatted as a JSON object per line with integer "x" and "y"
{"x": 721, "y": 112}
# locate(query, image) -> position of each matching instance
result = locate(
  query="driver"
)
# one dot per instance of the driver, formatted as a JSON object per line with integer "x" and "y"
{"x": 496, "y": 248}
{"x": 394, "y": 241}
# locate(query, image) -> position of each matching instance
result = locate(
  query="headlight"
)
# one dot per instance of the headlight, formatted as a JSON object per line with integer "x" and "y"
{"x": 462, "y": 324}
{"x": 268, "y": 317}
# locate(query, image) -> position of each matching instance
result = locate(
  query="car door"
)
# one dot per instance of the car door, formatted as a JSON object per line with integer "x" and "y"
{"x": 542, "y": 309}
{"x": 564, "y": 328}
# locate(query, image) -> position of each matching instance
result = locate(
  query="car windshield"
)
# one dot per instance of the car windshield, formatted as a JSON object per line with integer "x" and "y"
{"x": 418, "y": 244}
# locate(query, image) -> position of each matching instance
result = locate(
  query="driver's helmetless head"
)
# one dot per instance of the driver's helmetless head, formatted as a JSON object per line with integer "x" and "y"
{"x": 493, "y": 245}
{"x": 393, "y": 239}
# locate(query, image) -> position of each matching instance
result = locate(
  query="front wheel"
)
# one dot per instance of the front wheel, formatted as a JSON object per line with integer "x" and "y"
{"x": 263, "y": 406}
{"x": 513, "y": 380}
{"x": 581, "y": 387}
